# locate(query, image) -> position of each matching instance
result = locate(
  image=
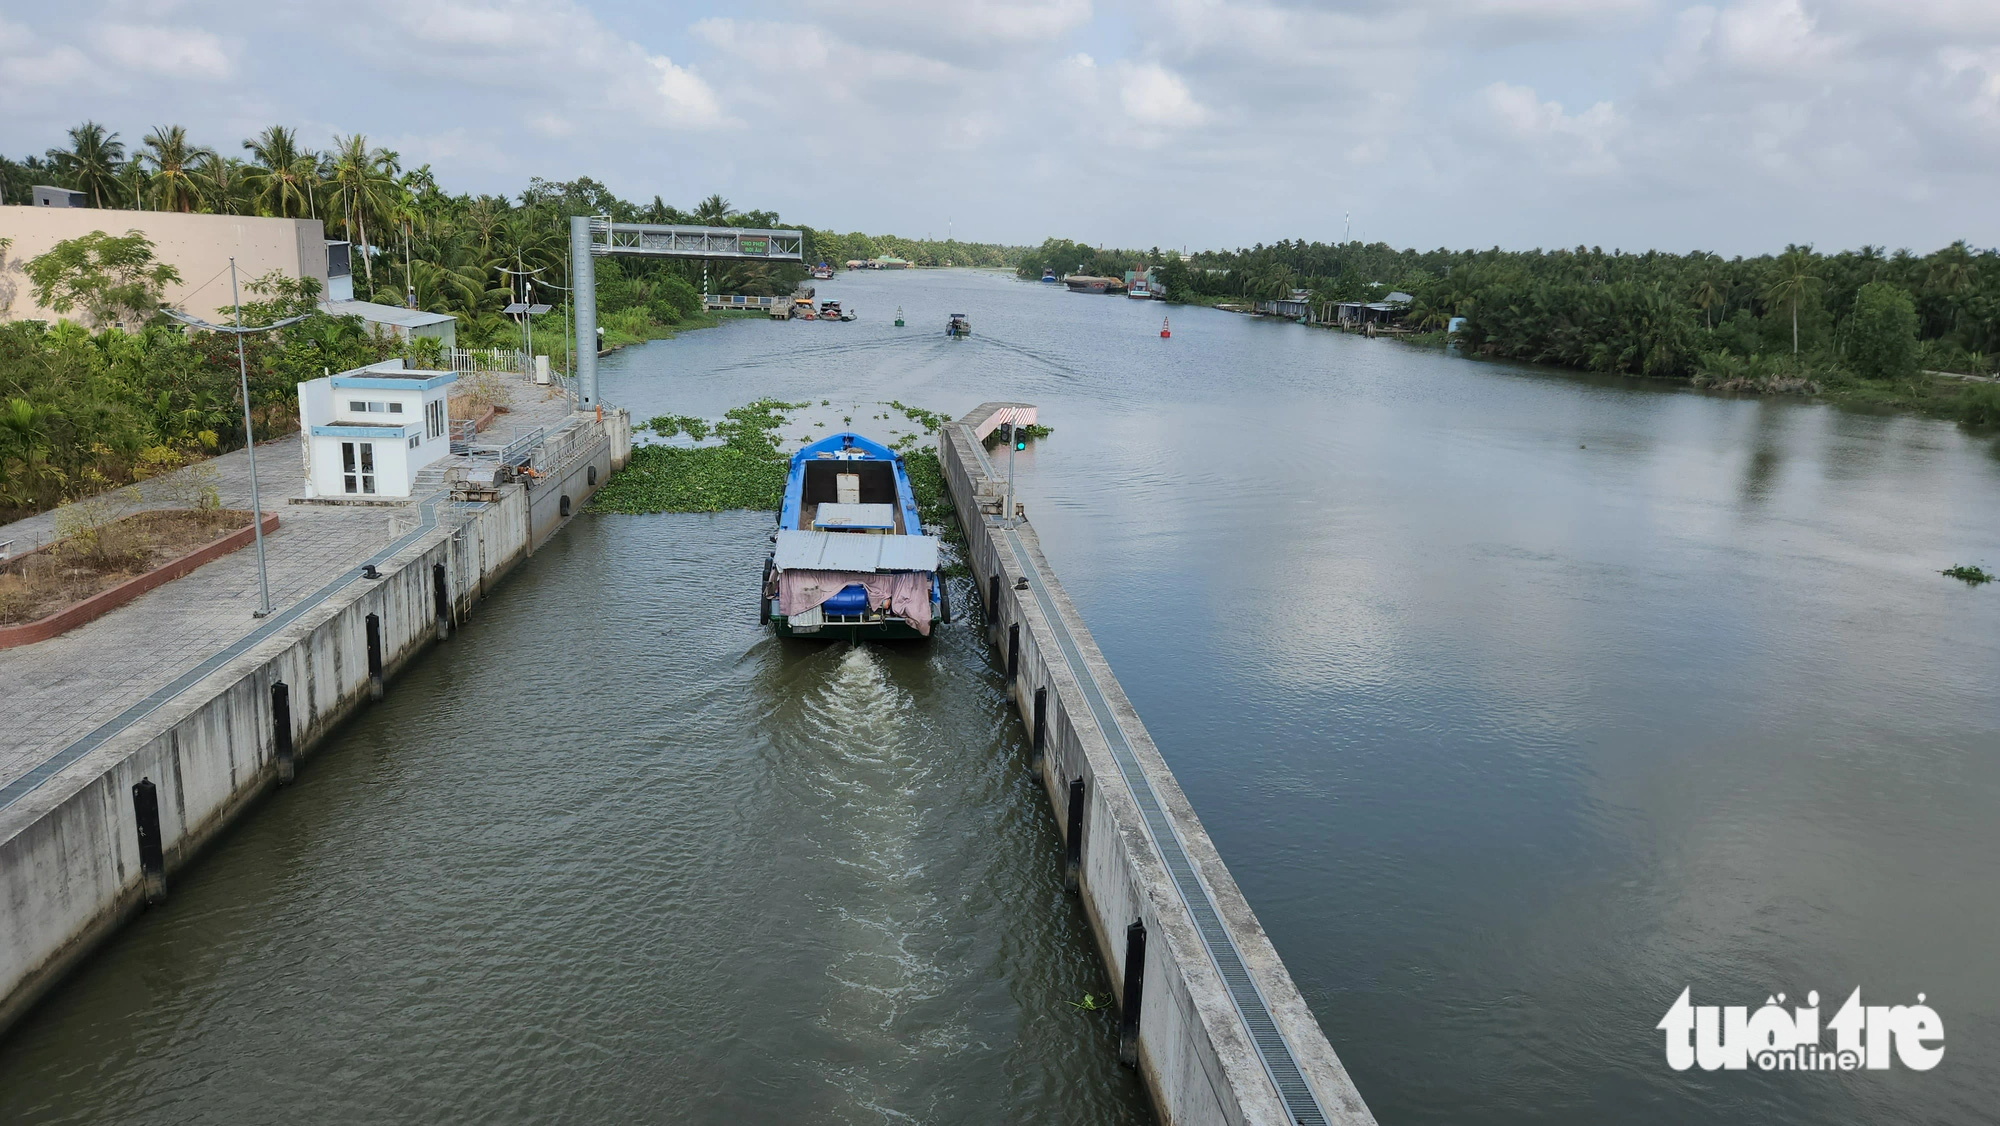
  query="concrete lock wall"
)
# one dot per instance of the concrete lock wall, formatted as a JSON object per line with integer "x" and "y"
{"x": 69, "y": 864}
{"x": 1194, "y": 1050}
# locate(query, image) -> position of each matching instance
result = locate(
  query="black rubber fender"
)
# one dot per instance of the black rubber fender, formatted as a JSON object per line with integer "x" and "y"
{"x": 764, "y": 593}
{"x": 944, "y": 599}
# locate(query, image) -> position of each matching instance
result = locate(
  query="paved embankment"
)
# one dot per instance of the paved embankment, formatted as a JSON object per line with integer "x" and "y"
{"x": 1221, "y": 1033}
{"x": 152, "y": 728}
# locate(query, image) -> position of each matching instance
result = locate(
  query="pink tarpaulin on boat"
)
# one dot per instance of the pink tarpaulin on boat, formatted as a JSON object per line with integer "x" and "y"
{"x": 907, "y": 594}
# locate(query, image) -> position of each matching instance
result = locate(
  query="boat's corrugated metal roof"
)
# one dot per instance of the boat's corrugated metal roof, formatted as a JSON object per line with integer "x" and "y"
{"x": 855, "y": 551}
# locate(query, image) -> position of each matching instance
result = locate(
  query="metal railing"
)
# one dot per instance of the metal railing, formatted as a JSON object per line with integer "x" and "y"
{"x": 512, "y": 453}
{"x": 740, "y": 301}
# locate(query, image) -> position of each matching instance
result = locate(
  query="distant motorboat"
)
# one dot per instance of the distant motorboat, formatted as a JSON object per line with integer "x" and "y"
{"x": 1050, "y": 277}
{"x": 822, "y": 272}
{"x": 958, "y": 325}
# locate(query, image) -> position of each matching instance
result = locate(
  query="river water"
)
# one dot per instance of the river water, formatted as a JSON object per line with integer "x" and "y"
{"x": 1516, "y": 701}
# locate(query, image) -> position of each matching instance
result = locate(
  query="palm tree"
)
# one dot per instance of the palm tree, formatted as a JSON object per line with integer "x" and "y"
{"x": 1951, "y": 274}
{"x": 1707, "y": 295}
{"x": 173, "y": 161}
{"x": 714, "y": 211}
{"x": 224, "y": 183}
{"x": 282, "y": 174}
{"x": 1793, "y": 282}
{"x": 91, "y": 161}
{"x": 364, "y": 181}
{"x": 132, "y": 185}
{"x": 482, "y": 220}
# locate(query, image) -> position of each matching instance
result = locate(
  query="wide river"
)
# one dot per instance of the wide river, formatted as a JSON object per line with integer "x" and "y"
{"x": 1517, "y": 702}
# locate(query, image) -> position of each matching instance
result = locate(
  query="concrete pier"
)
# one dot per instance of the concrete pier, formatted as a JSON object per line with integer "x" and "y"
{"x": 198, "y": 732}
{"x": 1222, "y": 1034}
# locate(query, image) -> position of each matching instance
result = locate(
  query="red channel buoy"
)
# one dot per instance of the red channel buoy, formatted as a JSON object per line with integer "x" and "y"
{"x": 1165, "y": 332}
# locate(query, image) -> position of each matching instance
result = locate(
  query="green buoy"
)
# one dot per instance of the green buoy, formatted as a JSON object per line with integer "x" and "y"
{"x": 899, "y": 316}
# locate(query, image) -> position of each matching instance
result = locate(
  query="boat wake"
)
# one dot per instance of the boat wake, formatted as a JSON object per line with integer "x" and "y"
{"x": 885, "y": 919}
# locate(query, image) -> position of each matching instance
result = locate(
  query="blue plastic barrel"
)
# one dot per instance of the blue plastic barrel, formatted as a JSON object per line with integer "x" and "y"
{"x": 852, "y": 600}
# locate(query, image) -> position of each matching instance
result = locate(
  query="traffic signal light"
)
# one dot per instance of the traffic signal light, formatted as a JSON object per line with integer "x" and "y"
{"x": 1020, "y": 438}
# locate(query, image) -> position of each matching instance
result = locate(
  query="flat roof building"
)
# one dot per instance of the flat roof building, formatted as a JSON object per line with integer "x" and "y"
{"x": 46, "y": 196}
{"x": 370, "y": 430}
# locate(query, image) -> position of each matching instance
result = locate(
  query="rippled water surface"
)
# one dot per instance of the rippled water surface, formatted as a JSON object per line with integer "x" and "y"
{"x": 1517, "y": 702}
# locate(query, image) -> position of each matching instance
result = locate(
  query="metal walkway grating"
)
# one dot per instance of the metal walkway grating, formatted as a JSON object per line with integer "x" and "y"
{"x": 1279, "y": 1064}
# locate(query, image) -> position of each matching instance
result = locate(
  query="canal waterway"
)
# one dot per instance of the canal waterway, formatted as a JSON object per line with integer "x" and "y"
{"x": 1516, "y": 701}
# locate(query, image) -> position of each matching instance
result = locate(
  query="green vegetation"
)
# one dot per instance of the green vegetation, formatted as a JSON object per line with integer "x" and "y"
{"x": 1066, "y": 257}
{"x": 931, "y": 421}
{"x": 837, "y": 249}
{"x": 81, "y": 413}
{"x": 1884, "y": 332}
{"x": 668, "y": 425}
{"x": 1971, "y": 576}
{"x": 745, "y": 471}
{"x": 113, "y": 277}
{"x": 1860, "y": 327}
{"x": 711, "y": 479}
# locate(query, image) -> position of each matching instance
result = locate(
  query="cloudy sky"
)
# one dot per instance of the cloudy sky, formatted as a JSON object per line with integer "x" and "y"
{"x": 1737, "y": 126}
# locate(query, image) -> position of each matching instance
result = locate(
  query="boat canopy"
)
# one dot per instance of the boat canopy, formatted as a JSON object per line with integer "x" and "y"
{"x": 846, "y": 551}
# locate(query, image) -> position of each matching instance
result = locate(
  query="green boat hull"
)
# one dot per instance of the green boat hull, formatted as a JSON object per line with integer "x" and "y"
{"x": 851, "y": 632}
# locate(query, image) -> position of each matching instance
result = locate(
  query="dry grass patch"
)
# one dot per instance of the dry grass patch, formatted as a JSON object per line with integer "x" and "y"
{"x": 95, "y": 559}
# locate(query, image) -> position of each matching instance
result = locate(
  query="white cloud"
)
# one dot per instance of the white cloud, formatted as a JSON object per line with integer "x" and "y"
{"x": 1771, "y": 37}
{"x": 688, "y": 99}
{"x": 1577, "y": 143}
{"x": 1155, "y": 96}
{"x": 169, "y": 52}
{"x": 1735, "y": 124}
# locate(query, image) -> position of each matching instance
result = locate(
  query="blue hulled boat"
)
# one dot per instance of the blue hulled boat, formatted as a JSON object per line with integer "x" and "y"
{"x": 850, "y": 561}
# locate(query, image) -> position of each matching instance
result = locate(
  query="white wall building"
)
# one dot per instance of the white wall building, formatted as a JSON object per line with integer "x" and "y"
{"x": 368, "y": 431}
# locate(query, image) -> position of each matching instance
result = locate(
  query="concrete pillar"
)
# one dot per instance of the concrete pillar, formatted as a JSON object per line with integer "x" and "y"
{"x": 583, "y": 291}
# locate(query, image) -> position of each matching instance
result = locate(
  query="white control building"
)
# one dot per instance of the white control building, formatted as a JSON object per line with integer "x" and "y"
{"x": 370, "y": 430}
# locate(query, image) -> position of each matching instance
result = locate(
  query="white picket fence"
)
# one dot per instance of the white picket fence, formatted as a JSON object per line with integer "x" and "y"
{"x": 464, "y": 361}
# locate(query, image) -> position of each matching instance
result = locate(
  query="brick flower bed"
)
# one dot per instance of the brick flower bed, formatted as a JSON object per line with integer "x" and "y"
{"x": 154, "y": 550}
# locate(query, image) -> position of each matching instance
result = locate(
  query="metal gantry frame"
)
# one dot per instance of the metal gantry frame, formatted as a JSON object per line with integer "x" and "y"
{"x": 594, "y": 236}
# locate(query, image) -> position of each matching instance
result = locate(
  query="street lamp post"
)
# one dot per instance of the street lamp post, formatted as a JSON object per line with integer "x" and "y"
{"x": 239, "y": 330}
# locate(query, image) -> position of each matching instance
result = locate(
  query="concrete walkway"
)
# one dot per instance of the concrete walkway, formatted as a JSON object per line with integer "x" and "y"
{"x": 62, "y": 689}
